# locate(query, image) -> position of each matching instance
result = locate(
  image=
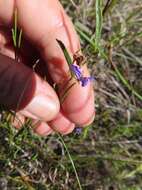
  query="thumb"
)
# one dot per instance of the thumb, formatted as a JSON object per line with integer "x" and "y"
{"x": 21, "y": 88}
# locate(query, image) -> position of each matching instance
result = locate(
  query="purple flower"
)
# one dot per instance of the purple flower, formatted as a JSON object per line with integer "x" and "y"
{"x": 78, "y": 73}
{"x": 76, "y": 70}
{"x": 78, "y": 130}
{"x": 84, "y": 80}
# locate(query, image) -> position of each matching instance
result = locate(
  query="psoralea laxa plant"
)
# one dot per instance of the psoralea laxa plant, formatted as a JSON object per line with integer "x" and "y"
{"x": 75, "y": 69}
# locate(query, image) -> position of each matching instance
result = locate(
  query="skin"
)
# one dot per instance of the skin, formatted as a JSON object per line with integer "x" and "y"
{"x": 43, "y": 23}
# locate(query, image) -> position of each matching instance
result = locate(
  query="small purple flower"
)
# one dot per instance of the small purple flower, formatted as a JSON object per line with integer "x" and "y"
{"x": 78, "y": 73}
{"x": 84, "y": 80}
{"x": 76, "y": 70}
{"x": 78, "y": 130}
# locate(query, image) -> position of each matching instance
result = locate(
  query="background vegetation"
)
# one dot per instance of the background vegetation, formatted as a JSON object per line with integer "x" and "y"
{"x": 108, "y": 154}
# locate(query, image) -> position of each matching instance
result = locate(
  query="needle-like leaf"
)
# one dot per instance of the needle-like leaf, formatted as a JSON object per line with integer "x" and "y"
{"x": 66, "y": 54}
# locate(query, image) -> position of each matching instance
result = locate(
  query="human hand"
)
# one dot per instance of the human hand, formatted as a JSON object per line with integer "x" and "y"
{"x": 23, "y": 90}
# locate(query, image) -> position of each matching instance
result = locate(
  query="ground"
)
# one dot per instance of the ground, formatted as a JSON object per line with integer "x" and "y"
{"x": 108, "y": 154}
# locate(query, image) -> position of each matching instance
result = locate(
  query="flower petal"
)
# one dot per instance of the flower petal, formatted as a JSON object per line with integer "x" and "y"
{"x": 76, "y": 70}
{"x": 84, "y": 80}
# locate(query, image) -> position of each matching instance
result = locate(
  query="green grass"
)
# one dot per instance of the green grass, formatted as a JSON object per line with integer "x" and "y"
{"x": 108, "y": 154}
{"x": 16, "y": 35}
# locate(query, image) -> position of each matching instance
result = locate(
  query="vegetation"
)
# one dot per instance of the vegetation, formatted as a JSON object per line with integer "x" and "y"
{"x": 108, "y": 154}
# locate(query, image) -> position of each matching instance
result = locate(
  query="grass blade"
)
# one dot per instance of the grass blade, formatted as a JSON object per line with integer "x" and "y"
{"x": 99, "y": 20}
{"x": 20, "y": 38}
{"x": 109, "y": 6}
{"x": 71, "y": 160}
{"x": 14, "y": 30}
{"x": 86, "y": 37}
{"x": 125, "y": 82}
{"x": 13, "y": 37}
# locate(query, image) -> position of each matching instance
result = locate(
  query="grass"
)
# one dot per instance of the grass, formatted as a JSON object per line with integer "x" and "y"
{"x": 16, "y": 35}
{"x": 108, "y": 154}
{"x": 72, "y": 162}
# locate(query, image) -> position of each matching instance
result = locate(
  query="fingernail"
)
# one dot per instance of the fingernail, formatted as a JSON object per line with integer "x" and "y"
{"x": 70, "y": 130}
{"x": 42, "y": 129}
{"x": 42, "y": 107}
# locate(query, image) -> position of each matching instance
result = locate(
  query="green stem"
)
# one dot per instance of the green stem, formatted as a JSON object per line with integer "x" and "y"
{"x": 71, "y": 160}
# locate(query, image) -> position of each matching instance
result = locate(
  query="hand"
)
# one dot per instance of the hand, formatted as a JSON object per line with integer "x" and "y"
{"x": 23, "y": 90}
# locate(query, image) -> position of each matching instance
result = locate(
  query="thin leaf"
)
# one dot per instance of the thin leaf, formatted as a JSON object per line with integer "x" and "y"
{"x": 66, "y": 54}
{"x": 99, "y": 20}
{"x": 125, "y": 82}
{"x": 13, "y": 37}
{"x": 20, "y": 38}
{"x": 71, "y": 160}
{"x": 14, "y": 30}
{"x": 86, "y": 37}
